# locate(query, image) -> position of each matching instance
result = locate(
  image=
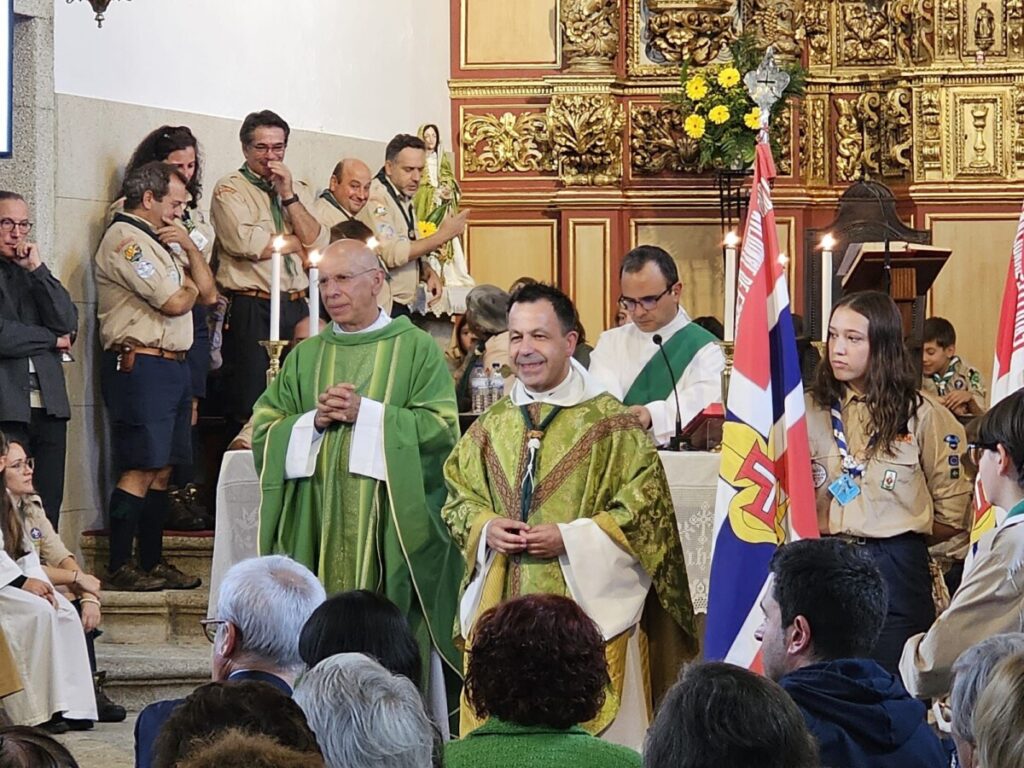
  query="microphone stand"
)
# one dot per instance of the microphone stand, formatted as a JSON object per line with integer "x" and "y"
{"x": 676, "y": 442}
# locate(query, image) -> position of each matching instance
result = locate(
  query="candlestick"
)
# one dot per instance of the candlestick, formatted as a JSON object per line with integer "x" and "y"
{"x": 731, "y": 241}
{"x": 827, "y": 244}
{"x": 275, "y": 290}
{"x": 274, "y": 351}
{"x": 314, "y": 292}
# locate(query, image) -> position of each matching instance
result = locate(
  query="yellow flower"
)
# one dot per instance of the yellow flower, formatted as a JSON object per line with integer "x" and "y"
{"x": 696, "y": 88}
{"x": 426, "y": 228}
{"x": 719, "y": 114}
{"x": 753, "y": 118}
{"x": 728, "y": 77}
{"x": 694, "y": 126}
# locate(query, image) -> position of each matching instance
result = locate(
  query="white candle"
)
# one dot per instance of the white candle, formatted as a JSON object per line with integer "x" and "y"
{"x": 731, "y": 241}
{"x": 314, "y": 292}
{"x": 275, "y": 290}
{"x": 827, "y": 244}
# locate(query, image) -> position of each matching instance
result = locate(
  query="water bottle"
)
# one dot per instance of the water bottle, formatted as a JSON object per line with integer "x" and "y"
{"x": 497, "y": 384}
{"x": 479, "y": 388}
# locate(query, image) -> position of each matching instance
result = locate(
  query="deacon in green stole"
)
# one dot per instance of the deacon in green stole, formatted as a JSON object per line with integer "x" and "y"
{"x": 349, "y": 443}
{"x": 557, "y": 489}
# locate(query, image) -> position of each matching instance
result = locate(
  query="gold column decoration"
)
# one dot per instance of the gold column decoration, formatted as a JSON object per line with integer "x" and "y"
{"x": 929, "y": 112}
{"x": 948, "y": 28}
{"x": 694, "y": 31}
{"x": 506, "y": 143}
{"x": 897, "y": 132}
{"x": 658, "y": 142}
{"x": 782, "y": 126}
{"x": 590, "y": 34}
{"x": 850, "y": 139}
{"x": 1018, "y": 120}
{"x": 1015, "y": 27}
{"x": 814, "y": 130}
{"x": 813, "y": 25}
{"x": 585, "y": 131}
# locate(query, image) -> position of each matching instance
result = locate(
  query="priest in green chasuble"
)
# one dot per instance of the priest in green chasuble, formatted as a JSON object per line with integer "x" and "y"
{"x": 558, "y": 489}
{"x": 349, "y": 443}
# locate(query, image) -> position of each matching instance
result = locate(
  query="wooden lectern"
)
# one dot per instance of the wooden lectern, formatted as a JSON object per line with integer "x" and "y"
{"x": 903, "y": 270}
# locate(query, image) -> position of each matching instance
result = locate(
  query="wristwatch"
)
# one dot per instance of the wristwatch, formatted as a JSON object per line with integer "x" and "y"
{"x": 289, "y": 200}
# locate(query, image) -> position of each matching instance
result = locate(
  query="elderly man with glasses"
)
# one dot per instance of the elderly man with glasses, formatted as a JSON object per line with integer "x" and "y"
{"x": 262, "y": 606}
{"x": 661, "y": 357}
{"x": 251, "y": 208}
{"x": 38, "y": 323}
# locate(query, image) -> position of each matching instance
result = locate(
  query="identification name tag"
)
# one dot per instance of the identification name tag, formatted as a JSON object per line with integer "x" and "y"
{"x": 844, "y": 489}
{"x": 199, "y": 239}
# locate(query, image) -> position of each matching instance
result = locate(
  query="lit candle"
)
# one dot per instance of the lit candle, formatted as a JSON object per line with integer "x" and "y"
{"x": 314, "y": 292}
{"x": 275, "y": 290}
{"x": 731, "y": 241}
{"x": 827, "y": 244}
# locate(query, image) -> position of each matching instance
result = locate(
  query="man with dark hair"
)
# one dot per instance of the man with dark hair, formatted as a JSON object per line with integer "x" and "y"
{"x": 557, "y": 489}
{"x": 824, "y": 608}
{"x": 251, "y": 208}
{"x": 627, "y": 360}
{"x": 145, "y": 296}
{"x": 392, "y": 217}
{"x": 346, "y": 193}
{"x": 958, "y": 385}
{"x": 38, "y": 322}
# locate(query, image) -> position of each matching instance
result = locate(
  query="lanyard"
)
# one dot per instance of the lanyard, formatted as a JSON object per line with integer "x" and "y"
{"x": 534, "y": 433}
{"x": 851, "y": 466}
{"x": 407, "y": 212}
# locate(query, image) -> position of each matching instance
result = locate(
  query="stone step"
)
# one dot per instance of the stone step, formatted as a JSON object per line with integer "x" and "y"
{"x": 148, "y": 618}
{"x": 139, "y": 675}
{"x": 191, "y": 553}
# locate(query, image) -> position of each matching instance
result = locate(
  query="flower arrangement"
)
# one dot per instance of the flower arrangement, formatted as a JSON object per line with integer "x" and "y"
{"x": 718, "y": 113}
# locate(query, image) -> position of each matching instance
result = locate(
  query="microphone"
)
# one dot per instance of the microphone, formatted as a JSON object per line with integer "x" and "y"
{"x": 676, "y": 442}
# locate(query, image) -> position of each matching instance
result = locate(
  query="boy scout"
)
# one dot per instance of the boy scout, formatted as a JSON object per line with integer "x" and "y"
{"x": 390, "y": 214}
{"x": 250, "y": 208}
{"x": 958, "y": 385}
{"x": 144, "y": 297}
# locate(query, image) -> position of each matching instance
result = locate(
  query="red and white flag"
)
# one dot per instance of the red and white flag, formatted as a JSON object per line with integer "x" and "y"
{"x": 1008, "y": 372}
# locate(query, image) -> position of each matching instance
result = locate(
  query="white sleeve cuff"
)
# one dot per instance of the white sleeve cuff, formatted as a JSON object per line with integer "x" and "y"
{"x": 663, "y": 420}
{"x": 470, "y": 603}
{"x": 607, "y": 582}
{"x": 303, "y": 448}
{"x": 366, "y": 454}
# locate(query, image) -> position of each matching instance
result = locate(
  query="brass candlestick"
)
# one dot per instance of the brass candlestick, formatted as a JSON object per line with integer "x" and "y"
{"x": 274, "y": 351}
{"x": 728, "y": 347}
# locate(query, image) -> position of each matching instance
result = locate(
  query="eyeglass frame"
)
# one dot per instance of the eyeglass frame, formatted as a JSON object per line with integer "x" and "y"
{"x": 20, "y": 464}
{"x": 266, "y": 149}
{"x": 647, "y": 302}
{"x": 8, "y": 225}
{"x": 216, "y": 624}
{"x": 976, "y": 449}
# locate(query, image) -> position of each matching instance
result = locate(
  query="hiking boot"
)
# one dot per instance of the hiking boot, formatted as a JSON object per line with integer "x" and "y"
{"x": 182, "y": 516}
{"x": 128, "y": 578}
{"x": 173, "y": 578}
{"x": 106, "y": 710}
{"x": 78, "y": 725}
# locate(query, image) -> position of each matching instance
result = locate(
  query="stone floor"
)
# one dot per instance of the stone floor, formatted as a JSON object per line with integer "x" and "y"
{"x": 107, "y": 745}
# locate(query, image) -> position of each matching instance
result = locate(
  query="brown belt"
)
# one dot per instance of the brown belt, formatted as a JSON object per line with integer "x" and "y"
{"x": 257, "y": 294}
{"x": 166, "y": 354}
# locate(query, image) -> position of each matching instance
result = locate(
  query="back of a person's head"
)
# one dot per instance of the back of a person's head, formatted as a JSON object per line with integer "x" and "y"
{"x": 970, "y": 674}
{"x": 723, "y": 716}
{"x": 247, "y": 705}
{"x": 364, "y": 622}
{"x": 238, "y": 749}
{"x": 269, "y": 599}
{"x": 24, "y": 747}
{"x": 364, "y": 716}
{"x": 999, "y": 716}
{"x": 838, "y": 588}
{"x": 561, "y": 680}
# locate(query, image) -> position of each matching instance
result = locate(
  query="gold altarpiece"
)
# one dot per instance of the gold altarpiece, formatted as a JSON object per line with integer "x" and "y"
{"x": 568, "y": 155}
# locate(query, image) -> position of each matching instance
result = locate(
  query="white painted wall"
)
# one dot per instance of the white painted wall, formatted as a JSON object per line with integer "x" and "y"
{"x": 360, "y": 68}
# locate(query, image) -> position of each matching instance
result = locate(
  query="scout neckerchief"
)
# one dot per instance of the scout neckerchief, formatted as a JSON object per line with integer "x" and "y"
{"x": 275, "y": 208}
{"x": 326, "y": 195}
{"x": 405, "y": 208}
{"x": 843, "y": 488}
{"x": 1017, "y": 510}
{"x": 143, "y": 226}
{"x": 534, "y": 435}
{"x": 942, "y": 379}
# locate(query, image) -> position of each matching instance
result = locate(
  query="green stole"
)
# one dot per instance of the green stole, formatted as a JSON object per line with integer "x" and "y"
{"x": 654, "y": 382}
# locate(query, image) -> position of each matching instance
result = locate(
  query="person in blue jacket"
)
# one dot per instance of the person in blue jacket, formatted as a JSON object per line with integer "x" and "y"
{"x": 824, "y": 607}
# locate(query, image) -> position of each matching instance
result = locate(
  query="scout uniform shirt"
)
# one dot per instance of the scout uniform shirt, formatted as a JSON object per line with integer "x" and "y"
{"x": 135, "y": 276}
{"x": 243, "y": 219}
{"x": 394, "y": 226}
{"x": 921, "y": 482}
{"x": 958, "y": 376}
{"x": 193, "y": 222}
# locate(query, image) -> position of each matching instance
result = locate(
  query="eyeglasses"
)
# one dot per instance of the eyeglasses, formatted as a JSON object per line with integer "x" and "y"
{"x": 647, "y": 302}
{"x": 8, "y": 225}
{"x": 210, "y": 627}
{"x": 266, "y": 149}
{"x": 341, "y": 280}
{"x": 975, "y": 450}
{"x": 21, "y": 464}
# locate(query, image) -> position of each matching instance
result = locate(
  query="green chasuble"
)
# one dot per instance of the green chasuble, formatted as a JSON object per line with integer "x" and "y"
{"x": 596, "y": 462}
{"x": 356, "y": 532}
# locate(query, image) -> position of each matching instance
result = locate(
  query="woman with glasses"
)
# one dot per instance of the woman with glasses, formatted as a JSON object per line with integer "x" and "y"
{"x": 42, "y": 629}
{"x": 885, "y": 460}
{"x": 990, "y": 599}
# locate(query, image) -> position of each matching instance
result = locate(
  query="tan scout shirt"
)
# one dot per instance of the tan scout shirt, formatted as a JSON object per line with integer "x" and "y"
{"x": 48, "y": 544}
{"x": 135, "y": 276}
{"x": 965, "y": 378}
{"x": 382, "y": 215}
{"x": 197, "y": 224}
{"x": 244, "y": 223}
{"x": 921, "y": 483}
{"x": 327, "y": 214}
{"x": 990, "y": 600}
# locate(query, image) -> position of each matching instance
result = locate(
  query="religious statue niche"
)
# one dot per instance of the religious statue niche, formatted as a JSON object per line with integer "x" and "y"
{"x": 984, "y": 30}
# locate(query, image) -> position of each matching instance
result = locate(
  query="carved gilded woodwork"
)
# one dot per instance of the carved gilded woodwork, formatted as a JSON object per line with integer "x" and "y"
{"x": 506, "y": 143}
{"x": 849, "y": 142}
{"x": 658, "y": 142}
{"x": 585, "y": 131}
{"x": 929, "y": 115}
{"x": 867, "y": 34}
{"x": 590, "y": 33}
{"x": 978, "y": 134}
{"x": 782, "y": 128}
{"x": 775, "y": 23}
{"x": 814, "y": 131}
{"x": 696, "y": 33}
{"x": 814, "y": 26}
{"x": 1018, "y": 132}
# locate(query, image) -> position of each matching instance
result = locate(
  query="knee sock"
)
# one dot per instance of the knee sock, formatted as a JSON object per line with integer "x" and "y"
{"x": 124, "y": 514}
{"x": 151, "y": 528}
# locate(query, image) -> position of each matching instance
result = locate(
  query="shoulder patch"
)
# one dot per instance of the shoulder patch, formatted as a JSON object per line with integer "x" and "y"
{"x": 132, "y": 251}
{"x": 144, "y": 269}
{"x": 380, "y": 210}
{"x": 223, "y": 189}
